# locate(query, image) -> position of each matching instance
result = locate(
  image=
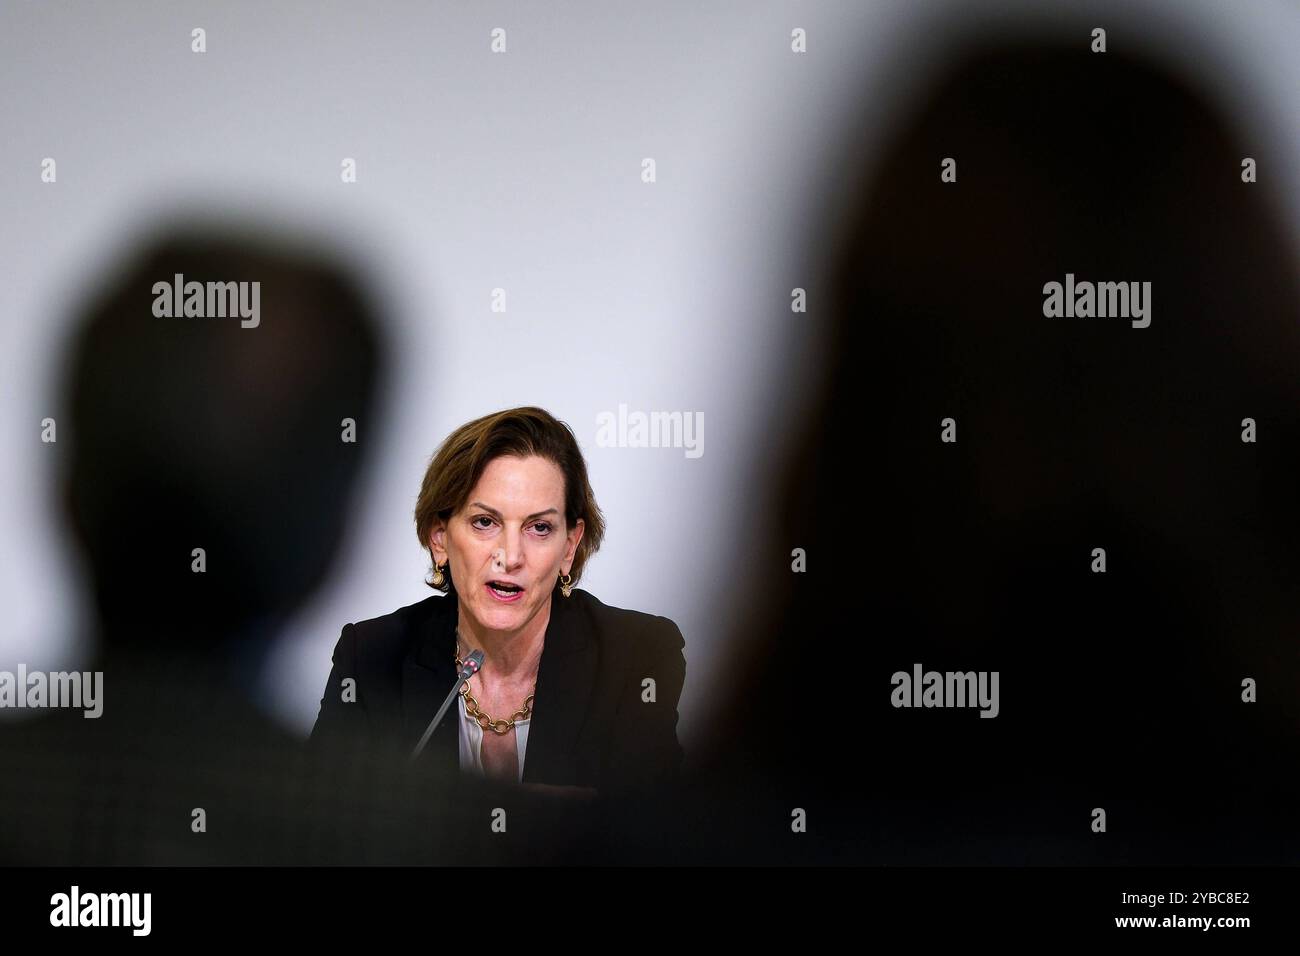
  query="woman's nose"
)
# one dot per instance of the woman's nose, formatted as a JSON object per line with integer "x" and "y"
{"x": 511, "y": 554}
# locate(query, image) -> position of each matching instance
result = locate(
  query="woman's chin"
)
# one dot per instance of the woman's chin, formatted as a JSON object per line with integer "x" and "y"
{"x": 500, "y": 617}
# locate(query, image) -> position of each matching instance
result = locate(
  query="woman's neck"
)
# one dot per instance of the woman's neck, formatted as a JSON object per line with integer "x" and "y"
{"x": 507, "y": 654}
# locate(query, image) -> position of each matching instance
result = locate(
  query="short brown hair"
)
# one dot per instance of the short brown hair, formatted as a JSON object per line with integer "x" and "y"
{"x": 458, "y": 464}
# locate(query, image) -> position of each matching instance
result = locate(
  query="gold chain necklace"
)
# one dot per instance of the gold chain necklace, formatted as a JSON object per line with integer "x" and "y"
{"x": 502, "y": 727}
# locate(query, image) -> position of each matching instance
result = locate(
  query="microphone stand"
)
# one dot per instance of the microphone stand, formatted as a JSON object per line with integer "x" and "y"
{"x": 468, "y": 670}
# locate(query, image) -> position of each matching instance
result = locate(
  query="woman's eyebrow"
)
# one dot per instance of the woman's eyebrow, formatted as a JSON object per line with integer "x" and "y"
{"x": 496, "y": 514}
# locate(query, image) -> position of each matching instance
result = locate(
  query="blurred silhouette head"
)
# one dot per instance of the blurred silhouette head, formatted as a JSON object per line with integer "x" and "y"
{"x": 207, "y": 432}
{"x": 1071, "y": 434}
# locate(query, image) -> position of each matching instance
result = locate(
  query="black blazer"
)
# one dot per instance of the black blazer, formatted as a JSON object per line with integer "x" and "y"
{"x": 589, "y": 726}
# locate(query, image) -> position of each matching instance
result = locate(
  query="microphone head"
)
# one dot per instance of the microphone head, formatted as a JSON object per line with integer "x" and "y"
{"x": 471, "y": 665}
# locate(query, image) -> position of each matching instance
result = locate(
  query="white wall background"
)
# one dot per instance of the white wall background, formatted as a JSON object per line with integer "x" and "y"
{"x": 521, "y": 171}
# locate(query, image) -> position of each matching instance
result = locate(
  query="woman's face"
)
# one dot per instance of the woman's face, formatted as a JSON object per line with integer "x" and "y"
{"x": 510, "y": 532}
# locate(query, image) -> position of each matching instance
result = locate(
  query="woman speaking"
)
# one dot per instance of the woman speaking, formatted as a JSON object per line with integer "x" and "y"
{"x": 571, "y": 692}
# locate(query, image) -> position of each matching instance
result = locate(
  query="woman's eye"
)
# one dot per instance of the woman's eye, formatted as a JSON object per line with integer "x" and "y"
{"x": 543, "y": 527}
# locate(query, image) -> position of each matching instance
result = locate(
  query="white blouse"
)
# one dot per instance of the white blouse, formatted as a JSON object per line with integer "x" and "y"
{"x": 471, "y": 742}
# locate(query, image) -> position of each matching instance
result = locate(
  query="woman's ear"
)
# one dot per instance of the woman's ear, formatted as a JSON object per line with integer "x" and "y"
{"x": 574, "y": 537}
{"x": 438, "y": 543}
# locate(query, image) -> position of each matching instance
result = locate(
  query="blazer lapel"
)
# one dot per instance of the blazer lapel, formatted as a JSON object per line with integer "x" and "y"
{"x": 428, "y": 673}
{"x": 565, "y": 678}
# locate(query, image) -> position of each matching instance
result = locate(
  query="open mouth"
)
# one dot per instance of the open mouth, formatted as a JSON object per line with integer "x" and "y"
{"x": 505, "y": 591}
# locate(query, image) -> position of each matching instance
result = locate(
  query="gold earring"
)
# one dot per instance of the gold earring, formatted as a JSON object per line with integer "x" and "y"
{"x": 566, "y": 584}
{"x": 438, "y": 577}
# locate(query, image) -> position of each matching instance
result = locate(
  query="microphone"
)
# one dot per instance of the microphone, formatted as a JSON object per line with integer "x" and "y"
{"x": 468, "y": 670}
